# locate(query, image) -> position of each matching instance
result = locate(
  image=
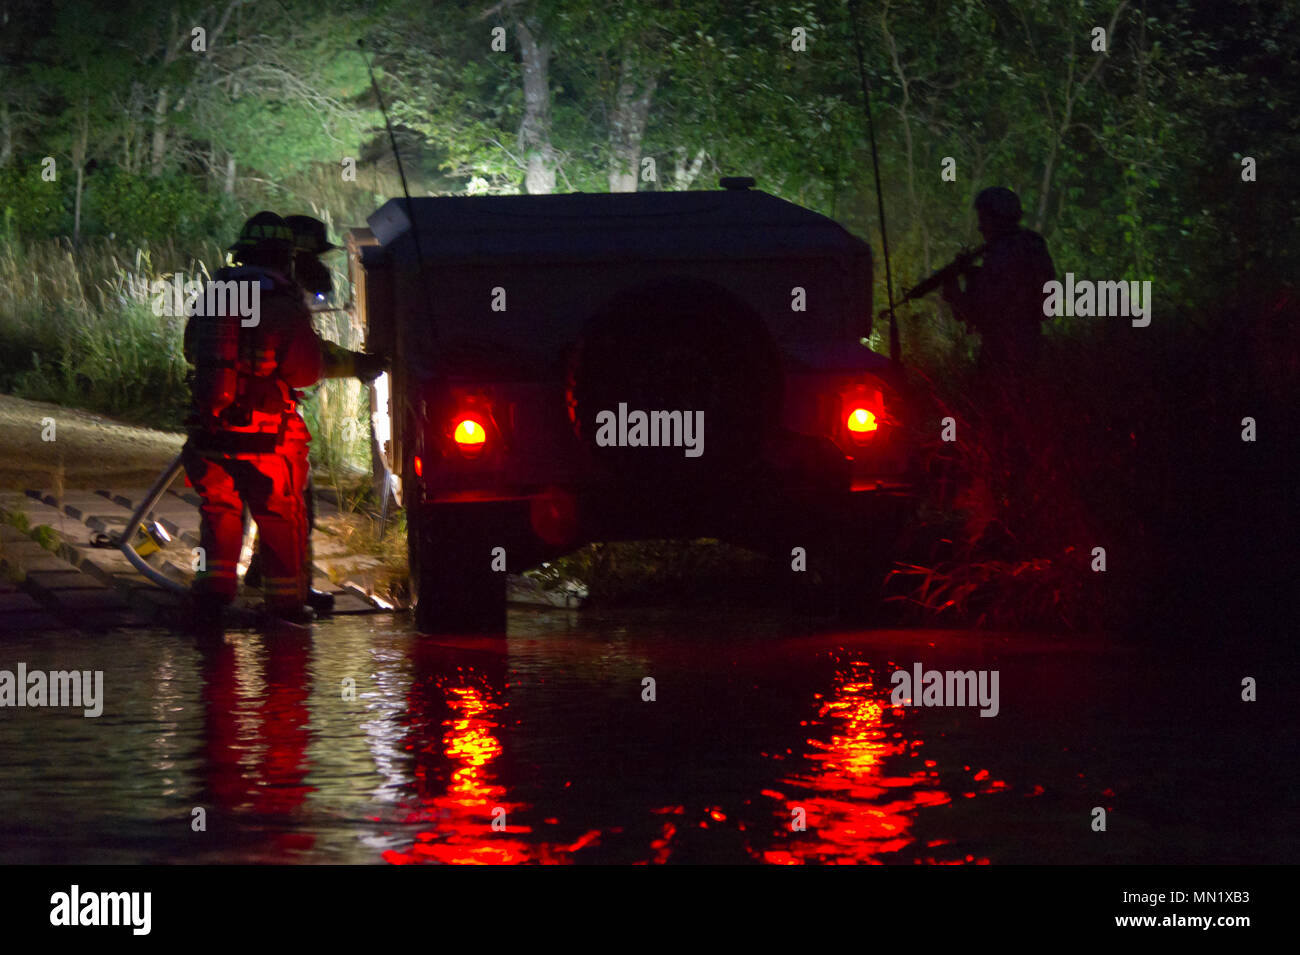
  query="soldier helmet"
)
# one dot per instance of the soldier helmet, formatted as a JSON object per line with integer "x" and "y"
{"x": 309, "y": 235}
{"x": 266, "y": 231}
{"x": 1000, "y": 203}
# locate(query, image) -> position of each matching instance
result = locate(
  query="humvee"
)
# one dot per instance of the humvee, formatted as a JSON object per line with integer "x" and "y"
{"x": 597, "y": 367}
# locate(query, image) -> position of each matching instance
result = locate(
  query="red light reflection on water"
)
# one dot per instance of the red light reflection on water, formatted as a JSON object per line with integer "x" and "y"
{"x": 464, "y": 813}
{"x": 853, "y": 811}
{"x": 256, "y": 738}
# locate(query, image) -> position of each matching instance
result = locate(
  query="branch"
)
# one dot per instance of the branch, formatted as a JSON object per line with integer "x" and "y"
{"x": 221, "y": 27}
{"x": 498, "y": 8}
{"x": 1110, "y": 33}
{"x": 509, "y": 155}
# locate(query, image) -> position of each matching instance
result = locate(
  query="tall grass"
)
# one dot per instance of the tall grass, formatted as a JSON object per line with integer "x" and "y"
{"x": 77, "y": 328}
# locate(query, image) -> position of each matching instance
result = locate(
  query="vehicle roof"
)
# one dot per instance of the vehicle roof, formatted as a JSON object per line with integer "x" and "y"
{"x": 734, "y": 223}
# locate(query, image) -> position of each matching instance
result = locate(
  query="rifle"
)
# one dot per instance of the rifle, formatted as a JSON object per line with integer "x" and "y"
{"x": 958, "y": 266}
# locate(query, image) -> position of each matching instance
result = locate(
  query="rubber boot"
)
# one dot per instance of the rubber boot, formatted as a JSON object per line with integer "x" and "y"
{"x": 202, "y": 614}
{"x": 320, "y": 601}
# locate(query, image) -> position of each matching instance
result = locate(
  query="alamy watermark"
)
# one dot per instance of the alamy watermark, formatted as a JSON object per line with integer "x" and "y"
{"x": 923, "y": 687}
{"x": 1086, "y": 298}
{"x": 83, "y": 688}
{"x": 74, "y": 908}
{"x": 651, "y": 429}
{"x": 230, "y": 297}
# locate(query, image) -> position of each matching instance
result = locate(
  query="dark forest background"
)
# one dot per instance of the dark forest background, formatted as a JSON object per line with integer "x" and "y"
{"x": 1129, "y": 161}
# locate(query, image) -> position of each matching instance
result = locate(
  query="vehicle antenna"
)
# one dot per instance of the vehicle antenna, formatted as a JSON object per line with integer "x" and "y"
{"x": 894, "y": 349}
{"x": 410, "y": 206}
{"x": 432, "y": 323}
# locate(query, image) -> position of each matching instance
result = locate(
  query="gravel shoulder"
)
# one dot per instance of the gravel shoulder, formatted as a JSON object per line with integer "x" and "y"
{"x": 88, "y": 451}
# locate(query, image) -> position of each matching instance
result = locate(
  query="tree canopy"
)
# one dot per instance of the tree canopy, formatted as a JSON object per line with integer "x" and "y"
{"x": 1146, "y": 139}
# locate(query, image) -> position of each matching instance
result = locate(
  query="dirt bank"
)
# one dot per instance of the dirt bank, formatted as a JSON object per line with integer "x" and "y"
{"x": 89, "y": 451}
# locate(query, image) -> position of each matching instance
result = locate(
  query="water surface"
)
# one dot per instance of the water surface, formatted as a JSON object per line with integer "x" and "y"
{"x": 371, "y": 744}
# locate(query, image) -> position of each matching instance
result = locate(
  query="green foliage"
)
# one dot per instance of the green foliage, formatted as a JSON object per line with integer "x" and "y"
{"x": 17, "y": 519}
{"x": 153, "y": 210}
{"x": 337, "y": 413}
{"x": 46, "y": 536}
{"x": 32, "y": 207}
{"x": 1127, "y": 160}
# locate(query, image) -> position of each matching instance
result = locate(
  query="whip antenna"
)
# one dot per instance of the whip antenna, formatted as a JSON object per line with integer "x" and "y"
{"x": 401, "y": 173}
{"x": 894, "y": 349}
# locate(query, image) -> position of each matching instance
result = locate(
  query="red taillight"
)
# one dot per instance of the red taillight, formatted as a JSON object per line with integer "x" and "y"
{"x": 469, "y": 432}
{"x": 469, "y": 435}
{"x": 419, "y": 466}
{"x": 862, "y": 410}
{"x": 861, "y": 421}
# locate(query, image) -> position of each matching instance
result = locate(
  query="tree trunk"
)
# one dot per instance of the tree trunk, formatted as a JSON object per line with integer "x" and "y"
{"x": 912, "y": 204}
{"x": 79, "y": 158}
{"x": 159, "y": 147}
{"x": 685, "y": 173}
{"x": 131, "y": 128}
{"x": 535, "y": 130}
{"x": 1073, "y": 91}
{"x": 6, "y": 136}
{"x": 76, "y": 213}
{"x": 171, "y": 50}
{"x": 230, "y": 175}
{"x": 627, "y": 126}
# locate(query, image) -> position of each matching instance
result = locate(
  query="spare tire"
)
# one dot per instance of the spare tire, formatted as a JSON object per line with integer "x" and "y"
{"x": 678, "y": 345}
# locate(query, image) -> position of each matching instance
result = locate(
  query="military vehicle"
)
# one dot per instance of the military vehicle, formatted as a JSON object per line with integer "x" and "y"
{"x": 598, "y": 367}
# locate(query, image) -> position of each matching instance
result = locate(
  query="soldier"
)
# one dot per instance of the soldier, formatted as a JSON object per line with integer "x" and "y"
{"x": 1003, "y": 299}
{"x": 247, "y": 444}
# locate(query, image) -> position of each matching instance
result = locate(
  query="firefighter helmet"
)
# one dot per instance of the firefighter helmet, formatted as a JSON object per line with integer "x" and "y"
{"x": 264, "y": 231}
{"x": 309, "y": 235}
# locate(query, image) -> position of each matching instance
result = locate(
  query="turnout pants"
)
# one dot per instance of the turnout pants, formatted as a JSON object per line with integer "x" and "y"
{"x": 272, "y": 486}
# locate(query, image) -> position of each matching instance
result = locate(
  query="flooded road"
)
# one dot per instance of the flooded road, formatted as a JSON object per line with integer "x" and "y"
{"x": 370, "y": 744}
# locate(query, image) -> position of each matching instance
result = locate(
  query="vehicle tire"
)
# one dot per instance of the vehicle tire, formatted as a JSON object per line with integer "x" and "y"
{"x": 453, "y": 586}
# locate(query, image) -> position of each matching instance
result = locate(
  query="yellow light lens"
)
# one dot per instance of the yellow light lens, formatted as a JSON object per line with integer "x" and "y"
{"x": 469, "y": 431}
{"x": 861, "y": 421}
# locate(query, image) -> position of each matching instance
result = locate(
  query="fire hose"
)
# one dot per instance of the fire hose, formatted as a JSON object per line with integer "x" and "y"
{"x": 379, "y": 432}
{"x": 146, "y": 504}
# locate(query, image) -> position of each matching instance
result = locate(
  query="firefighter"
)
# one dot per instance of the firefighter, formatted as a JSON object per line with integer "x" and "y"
{"x": 1003, "y": 299}
{"x": 247, "y": 443}
{"x": 313, "y": 279}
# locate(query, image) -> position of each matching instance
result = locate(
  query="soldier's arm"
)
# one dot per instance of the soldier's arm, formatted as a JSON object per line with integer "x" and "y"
{"x": 965, "y": 303}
